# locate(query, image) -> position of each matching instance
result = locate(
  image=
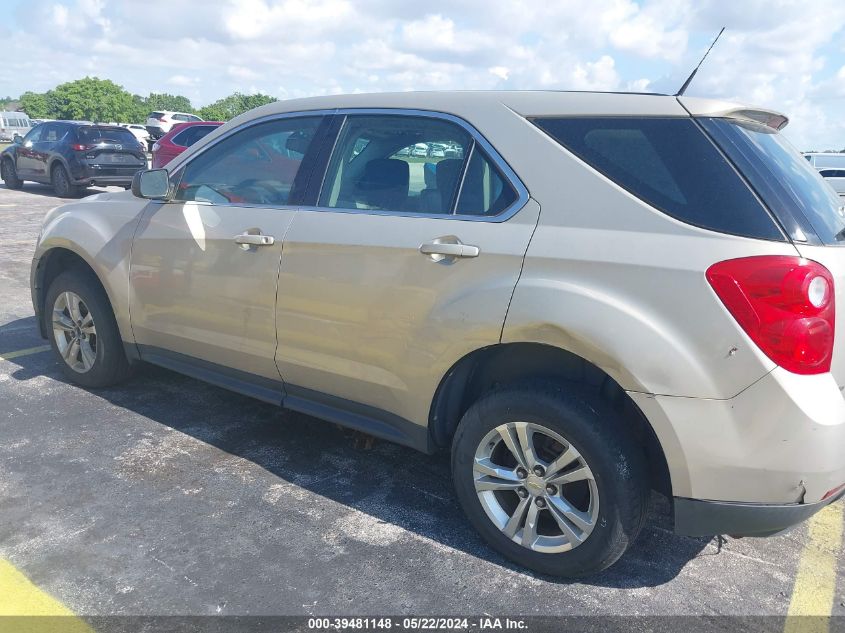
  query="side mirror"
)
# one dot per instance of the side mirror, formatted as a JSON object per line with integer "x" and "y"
{"x": 153, "y": 184}
{"x": 17, "y": 139}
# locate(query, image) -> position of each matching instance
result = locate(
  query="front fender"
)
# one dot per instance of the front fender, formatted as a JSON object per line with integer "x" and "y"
{"x": 99, "y": 230}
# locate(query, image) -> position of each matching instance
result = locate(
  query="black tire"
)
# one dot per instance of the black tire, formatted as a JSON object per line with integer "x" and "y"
{"x": 62, "y": 185}
{"x": 10, "y": 174}
{"x": 110, "y": 365}
{"x": 607, "y": 446}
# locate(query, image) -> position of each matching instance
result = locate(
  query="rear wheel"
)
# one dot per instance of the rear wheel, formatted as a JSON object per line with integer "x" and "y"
{"x": 10, "y": 174}
{"x": 61, "y": 182}
{"x": 83, "y": 331}
{"x": 551, "y": 479}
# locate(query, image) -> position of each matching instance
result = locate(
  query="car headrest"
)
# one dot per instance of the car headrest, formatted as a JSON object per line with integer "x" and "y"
{"x": 384, "y": 183}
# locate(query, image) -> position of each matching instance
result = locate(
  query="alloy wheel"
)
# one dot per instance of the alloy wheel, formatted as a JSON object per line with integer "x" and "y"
{"x": 536, "y": 487}
{"x": 74, "y": 332}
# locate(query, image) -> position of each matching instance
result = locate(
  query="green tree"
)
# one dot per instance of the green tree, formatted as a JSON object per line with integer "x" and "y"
{"x": 164, "y": 101}
{"x": 92, "y": 99}
{"x": 36, "y": 105}
{"x": 233, "y": 105}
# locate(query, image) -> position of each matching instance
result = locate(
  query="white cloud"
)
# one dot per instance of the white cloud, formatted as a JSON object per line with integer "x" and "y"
{"x": 784, "y": 54}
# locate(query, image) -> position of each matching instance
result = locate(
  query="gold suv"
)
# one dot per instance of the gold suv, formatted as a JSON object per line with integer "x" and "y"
{"x": 583, "y": 296}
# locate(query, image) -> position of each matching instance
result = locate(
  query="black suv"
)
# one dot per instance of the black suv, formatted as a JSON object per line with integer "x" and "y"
{"x": 71, "y": 155}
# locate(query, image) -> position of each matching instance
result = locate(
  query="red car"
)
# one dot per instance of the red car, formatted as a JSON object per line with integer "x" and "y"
{"x": 180, "y": 138}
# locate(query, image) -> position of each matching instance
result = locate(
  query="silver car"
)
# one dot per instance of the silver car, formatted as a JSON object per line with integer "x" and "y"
{"x": 588, "y": 297}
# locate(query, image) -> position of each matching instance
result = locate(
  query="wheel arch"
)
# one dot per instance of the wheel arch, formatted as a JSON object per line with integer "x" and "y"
{"x": 50, "y": 265}
{"x": 487, "y": 368}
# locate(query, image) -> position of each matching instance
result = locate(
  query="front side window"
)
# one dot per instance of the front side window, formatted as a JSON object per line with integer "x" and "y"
{"x": 34, "y": 135}
{"x": 258, "y": 165}
{"x": 396, "y": 163}
{"x": 672, "y": 165}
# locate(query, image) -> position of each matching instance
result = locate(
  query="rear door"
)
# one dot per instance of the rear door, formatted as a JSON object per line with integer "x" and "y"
{"x": 406, "y": 263}
{"x": 204, "y": 266}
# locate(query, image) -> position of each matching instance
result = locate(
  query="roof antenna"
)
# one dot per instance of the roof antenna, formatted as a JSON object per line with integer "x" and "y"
{"x": 692, "y": 74}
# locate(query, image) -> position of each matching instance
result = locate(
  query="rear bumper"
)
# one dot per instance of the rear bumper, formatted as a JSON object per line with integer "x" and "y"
{"x": 117, "y": 176}
{"x": 779, "y": 442}
{"x": 694, "y": 517}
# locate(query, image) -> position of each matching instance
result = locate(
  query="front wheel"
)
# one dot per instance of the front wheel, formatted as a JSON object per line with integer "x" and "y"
{"x": 83, "y": 331}
{"x": 10, "y": 174}
{"x": 551, "y": 479}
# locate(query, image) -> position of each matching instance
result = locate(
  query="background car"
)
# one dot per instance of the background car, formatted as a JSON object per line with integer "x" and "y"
{"x": 160, "y": 122}
{"x": 13, "y": 123}
{"x": 71, "y": 156}
{"x": 835, "y": 178}
{"x": 822, "y": 160}
{"x": 180, "y": 138}
{"x": 140, "y": 133}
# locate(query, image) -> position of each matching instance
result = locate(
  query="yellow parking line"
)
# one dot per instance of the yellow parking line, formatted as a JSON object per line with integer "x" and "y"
{"x": 24, "y": 352}
{"x": 24, "y": 608}
{"x": 815, "y": 583}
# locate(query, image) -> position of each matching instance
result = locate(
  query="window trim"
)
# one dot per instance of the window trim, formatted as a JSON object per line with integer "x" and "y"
{"x": 476, "y": 139}
{"x": 341, "y": 113}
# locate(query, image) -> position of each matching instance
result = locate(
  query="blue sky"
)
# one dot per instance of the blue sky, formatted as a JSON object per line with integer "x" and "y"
{"x": 785, "y": 55}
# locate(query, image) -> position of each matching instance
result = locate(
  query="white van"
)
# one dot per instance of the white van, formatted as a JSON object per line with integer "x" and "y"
{"x": 12, "y": 123}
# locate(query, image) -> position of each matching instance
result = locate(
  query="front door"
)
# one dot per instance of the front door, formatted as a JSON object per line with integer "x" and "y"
{"x": 204, "y": 265}
{"x": 25, "y": 161}
{"x": 408, "y": 263}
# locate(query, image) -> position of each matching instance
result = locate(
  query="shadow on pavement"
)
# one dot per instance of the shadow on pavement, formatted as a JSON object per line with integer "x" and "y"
{"x": 414, "y": 490}
{"x": 37, "y": 189}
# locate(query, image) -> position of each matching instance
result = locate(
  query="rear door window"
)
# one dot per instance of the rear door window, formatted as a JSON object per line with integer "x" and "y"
{"x": 52, "y": 133}
{"x": 670, "y": 164}
{"x": 484, "y": 191}
{"x": 395, "y": 163}
{"x": 793, "y": 189}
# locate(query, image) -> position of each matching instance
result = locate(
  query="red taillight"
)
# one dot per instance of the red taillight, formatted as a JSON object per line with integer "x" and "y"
{"x": 785, "y": 304}
{"x": 79, "y": 147}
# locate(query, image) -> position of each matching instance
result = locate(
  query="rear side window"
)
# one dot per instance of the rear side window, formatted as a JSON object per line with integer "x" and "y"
{"x": 792, "y": 188}
{"x": 671, "y": 165}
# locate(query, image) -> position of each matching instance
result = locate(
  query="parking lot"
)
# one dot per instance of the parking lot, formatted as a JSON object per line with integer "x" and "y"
{"x": 169, "y": 496}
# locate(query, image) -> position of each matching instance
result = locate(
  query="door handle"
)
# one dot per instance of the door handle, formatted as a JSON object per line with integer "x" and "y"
{"x": 448, "y": 247}
{"x": 253, "y": 239}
